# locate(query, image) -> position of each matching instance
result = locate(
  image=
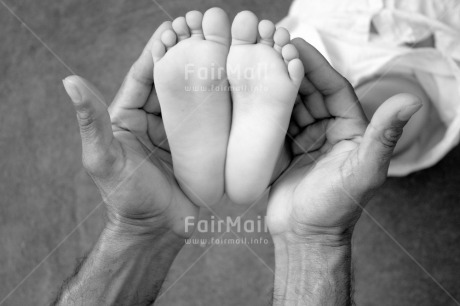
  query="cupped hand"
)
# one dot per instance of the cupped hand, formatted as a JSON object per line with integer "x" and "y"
{"x": 127, "y": 154}
{"x": 339, "y": 158}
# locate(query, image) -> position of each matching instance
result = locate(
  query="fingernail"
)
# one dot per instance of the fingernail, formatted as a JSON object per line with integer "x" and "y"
{"x": 72, "y": 91}
{"x": 406, "y": 113}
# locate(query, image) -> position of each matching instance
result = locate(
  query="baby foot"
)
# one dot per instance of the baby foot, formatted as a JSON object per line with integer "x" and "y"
{"x": 264, "y": 72}
{"x": 192, "y": 87}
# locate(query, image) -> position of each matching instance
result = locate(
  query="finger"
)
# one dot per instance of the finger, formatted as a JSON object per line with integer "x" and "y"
{"x": 157, "y": 133}
{"x": 301, "y": 114}
{"x": 152, "y": 106}
{"x": 385, "y": 129}
{"x": 313, "y": 100}
{"x": 137, "y": 84}
{"x": 99, "y": 154}
{"x": 340, "y": 99}
{"x": 293, "y": 129}
{"x": 317, "y": 69}
{"x": 311, "y": 138}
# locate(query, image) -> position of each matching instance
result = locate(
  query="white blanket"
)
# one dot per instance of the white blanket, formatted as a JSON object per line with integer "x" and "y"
{"x": 341, "y": 31}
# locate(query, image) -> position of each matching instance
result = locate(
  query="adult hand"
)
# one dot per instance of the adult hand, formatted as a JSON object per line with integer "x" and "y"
{"x": 339, "y": 160}
{"x": 127, "y": 155}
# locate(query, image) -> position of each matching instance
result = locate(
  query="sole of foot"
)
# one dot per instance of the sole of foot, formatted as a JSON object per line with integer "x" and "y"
{"x": 192, "y": 87}
{"x": 265, "y": 72}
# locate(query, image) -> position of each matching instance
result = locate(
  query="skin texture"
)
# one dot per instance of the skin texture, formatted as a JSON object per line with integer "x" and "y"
{"x": 339, "y": 160}
{"x": 127, "y": 156}
{"x": 188, "y": 58}
{"x": 265, "y": 74}
{"x": 373, "y": 92}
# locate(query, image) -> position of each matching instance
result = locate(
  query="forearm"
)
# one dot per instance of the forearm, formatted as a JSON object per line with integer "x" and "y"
{"x": 123, "y": 269}
{"x": 310, "y": 272}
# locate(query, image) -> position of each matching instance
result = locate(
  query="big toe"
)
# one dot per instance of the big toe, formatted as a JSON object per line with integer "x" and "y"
{"x": 216, "y": 26}
{"x": 244, "y": 28}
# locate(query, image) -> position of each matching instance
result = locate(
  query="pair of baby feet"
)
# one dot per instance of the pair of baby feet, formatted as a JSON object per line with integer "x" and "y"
{"x": 226, "y": 96}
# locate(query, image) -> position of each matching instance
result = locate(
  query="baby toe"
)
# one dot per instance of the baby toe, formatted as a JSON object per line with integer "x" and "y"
{"x": 266, "y": 31}
{"x": 289, "y": 52}
{"x": 169, "y": 39}
{"x": 180, "y": 26}
{"x": 194, "y": 21}
{"x": 281, "y": 38}
{"x": 296, "y": 71}
{"x": 158, "y": 50}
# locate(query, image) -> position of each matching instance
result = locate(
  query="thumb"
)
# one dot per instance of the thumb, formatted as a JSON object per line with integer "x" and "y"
{"x": 385, "y": 129}
{"x": 95, "y": 126}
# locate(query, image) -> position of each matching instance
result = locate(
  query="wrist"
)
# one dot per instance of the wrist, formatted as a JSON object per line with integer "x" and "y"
{"x": 313, "y": 270}
{"x": 327, "y": 237}
{"x": 139, "y": 231}
{"x": 298, "y": 251}
{"x": 124, "y": 267}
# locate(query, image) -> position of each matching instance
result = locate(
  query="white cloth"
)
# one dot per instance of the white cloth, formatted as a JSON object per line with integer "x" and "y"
{"x": 341, "y": 31}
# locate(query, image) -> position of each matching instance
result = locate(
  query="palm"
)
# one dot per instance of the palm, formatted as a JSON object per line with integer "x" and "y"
{"x": 339, "y": 158}
{"x": 318, "y": 189}
{"x": 147, "y": 168}
{"x": 312, "y": 192}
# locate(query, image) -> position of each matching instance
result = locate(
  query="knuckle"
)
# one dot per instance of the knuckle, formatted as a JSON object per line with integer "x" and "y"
{"x": 389, "y": 138}
{"x": 85, "y": 119}
{"x": 91, "y": 164}
{"x": 347, "y": 85}
{"x": 136, "y": 73}
{"x": 99, "y": 164}
{"x": 344, "y": 84}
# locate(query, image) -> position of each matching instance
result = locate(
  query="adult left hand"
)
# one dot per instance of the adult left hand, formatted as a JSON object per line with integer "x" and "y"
{"x": 339, "y": 158}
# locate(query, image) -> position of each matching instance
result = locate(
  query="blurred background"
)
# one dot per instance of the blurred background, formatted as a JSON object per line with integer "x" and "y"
{"x": 49, "y": 213}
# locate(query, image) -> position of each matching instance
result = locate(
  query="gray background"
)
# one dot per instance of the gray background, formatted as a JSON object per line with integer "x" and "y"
{"x": 45, "y": 194}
